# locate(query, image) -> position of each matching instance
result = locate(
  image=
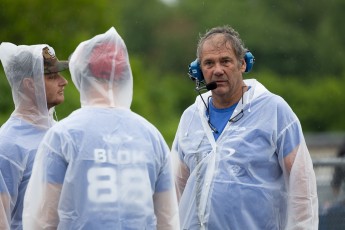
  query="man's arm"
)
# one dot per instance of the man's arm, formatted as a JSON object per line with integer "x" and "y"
{"x": 166, "y": 210}
{"x": 5, "y": 212}
{"x": 46, "y": 216}
{"x": 289, "y": 160}
{"x": 181, "y": 174}
{"x": 302, "y": 191}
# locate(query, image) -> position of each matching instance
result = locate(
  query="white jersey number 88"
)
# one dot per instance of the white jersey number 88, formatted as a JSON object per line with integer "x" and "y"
{"x": 103, "y": 185}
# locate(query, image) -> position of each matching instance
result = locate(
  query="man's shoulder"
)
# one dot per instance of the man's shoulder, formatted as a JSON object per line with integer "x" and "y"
{"x": 191, "y": 109}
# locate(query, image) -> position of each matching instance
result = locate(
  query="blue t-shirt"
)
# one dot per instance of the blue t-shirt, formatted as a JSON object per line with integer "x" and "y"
{"x": 219, "y": 117}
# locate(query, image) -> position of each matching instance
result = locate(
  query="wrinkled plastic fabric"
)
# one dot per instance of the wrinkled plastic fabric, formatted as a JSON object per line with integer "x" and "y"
{"x": 104, "y": 166}
{"x": 85, "y": 63}
{"x": 32, "y": 61}
{"x": 21, "y": 133}
{"x": 241, "y": 181}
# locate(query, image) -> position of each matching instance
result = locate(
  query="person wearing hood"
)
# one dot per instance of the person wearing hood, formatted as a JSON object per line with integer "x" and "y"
{"x": 239, "y": 155}
{"x": 104, "y": 166}
{"x": 33, "y": 73}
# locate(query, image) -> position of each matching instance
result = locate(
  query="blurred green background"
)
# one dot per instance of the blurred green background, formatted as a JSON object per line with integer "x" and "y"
{"x": 299, "y": 47}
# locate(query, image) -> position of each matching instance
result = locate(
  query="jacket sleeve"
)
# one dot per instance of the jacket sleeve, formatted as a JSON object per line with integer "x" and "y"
{"x": 43, "y": 192}
{"x": 164, "y": 198}
{"x": 301, "y": 188}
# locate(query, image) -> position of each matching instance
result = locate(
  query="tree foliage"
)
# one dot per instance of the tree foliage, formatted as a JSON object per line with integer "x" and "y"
{"x": 298, "y": 46}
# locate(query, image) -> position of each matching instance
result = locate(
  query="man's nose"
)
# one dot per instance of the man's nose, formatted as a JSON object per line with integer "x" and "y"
{"x": 63, "y": 80}
{"x": 218, "y": 69}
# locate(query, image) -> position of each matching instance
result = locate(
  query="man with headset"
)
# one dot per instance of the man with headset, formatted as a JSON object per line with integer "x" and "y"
{"x": 240, "y": 158}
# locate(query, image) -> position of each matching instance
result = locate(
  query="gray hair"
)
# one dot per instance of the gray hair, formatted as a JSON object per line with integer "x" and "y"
{"x": 230, "y": 35}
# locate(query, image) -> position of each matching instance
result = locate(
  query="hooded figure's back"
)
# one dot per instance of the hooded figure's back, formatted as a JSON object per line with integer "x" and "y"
{"x": 110, "y": 165}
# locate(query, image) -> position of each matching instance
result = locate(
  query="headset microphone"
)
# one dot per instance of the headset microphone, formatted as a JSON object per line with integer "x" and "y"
{"x": 210, "y": 86}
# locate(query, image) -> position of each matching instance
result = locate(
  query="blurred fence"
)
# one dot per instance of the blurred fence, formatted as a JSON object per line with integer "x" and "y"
{"x": 331, "y": 205}
{"x": 323, "y": 149}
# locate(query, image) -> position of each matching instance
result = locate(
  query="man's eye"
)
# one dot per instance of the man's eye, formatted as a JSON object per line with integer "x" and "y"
{"x": 208, "y": 63}
{"x": 51, "y": 76}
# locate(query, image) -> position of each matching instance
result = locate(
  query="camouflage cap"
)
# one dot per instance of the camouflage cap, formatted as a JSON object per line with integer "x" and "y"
{"x": 51, "y": 63}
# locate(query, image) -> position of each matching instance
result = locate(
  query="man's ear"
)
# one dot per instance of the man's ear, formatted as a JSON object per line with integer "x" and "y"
{"x": 243, "y": 65}
{"x": 28, "y": 84}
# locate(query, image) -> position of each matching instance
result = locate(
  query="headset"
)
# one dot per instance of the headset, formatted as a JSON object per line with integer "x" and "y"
{"x": 195, "y": 72}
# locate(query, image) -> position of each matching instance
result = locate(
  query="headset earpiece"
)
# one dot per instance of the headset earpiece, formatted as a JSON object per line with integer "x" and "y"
{"x": 249, "y": 59}
{"x": 195, "y": 73}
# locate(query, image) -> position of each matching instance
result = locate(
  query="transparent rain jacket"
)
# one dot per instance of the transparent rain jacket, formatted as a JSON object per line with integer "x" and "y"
{"x": 240, "y": 181}
{"x": 104, "y": 166}
{"x": 21, "y": 133}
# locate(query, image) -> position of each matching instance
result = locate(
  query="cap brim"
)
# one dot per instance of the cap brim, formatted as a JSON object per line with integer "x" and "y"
{"x": 57, "y": 67}
{"x": 62, "y": 65}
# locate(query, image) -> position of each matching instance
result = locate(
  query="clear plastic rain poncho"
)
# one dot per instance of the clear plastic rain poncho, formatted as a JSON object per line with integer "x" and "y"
{"x": 241, "y": 180}
{"x": 104, "y": 166}
{"x": 21, "y": 133}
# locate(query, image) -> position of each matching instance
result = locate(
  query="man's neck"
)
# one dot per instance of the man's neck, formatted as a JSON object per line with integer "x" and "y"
{"x": 225, "y": 101}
